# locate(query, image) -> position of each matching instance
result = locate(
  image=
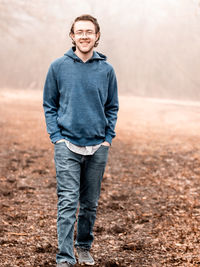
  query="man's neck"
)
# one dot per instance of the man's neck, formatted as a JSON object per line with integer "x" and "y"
{"x": 84, "y": 56}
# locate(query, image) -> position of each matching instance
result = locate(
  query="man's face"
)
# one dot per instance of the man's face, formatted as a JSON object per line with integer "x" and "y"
{"x": 84, "y": 36}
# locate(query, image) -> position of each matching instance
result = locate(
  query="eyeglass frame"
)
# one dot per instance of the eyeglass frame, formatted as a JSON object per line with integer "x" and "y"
{"x": 84, "y": 33}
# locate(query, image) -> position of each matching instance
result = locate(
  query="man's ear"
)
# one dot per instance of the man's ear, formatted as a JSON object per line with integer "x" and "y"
{"x": 71, "y": 35}
{"x": 98, "y": 36}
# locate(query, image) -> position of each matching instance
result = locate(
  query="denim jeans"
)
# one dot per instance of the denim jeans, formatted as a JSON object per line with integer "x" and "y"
{"x": 78, "y": 181}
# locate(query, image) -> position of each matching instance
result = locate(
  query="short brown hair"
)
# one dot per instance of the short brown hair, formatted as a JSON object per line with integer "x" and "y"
{"x": 86, "y": 17}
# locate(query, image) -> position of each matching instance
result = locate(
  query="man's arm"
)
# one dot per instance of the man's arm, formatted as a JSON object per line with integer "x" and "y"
{"x": 51, "y": 104}
{"x": 111, "y": 107}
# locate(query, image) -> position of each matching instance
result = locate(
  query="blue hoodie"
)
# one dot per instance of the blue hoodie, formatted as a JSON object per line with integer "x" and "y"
{"x": 80, "y": 100}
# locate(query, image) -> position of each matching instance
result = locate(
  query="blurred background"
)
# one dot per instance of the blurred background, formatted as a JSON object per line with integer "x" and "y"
{"x": 154, "y": 45}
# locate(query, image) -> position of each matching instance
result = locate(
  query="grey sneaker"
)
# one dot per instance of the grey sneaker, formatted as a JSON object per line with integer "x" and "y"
{"x": 64, "y": 264}
{"x": 84, "y": 257}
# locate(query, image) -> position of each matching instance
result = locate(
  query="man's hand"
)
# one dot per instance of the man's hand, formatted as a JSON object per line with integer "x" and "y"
{"x": 105, "y": 143}
{"x": 61, "y": 140}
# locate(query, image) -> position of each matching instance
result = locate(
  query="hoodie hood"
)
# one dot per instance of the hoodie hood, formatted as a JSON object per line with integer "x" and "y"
{"x": 96, "y": 55}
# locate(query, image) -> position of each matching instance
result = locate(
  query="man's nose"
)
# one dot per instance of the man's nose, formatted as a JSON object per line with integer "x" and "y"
{"x": 84, "y": 35}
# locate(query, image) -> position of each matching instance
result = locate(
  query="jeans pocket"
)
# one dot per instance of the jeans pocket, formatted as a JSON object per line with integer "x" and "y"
{"x": 101, "y": 155}
{"x": 58, "y": 143}
{"x": 105, "y": 146}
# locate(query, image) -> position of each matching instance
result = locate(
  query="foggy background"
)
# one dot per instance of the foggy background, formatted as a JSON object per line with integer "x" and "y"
{"x": 154, "y": 45}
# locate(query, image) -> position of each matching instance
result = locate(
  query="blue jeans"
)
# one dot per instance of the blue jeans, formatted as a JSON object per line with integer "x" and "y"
{"x": 78, "y": 181}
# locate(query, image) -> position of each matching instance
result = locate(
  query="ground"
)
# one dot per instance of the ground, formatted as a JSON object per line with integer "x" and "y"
{"x": 149, "y": 210}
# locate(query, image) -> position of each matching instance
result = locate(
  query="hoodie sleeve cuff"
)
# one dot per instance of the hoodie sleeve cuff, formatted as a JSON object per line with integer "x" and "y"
{"x": 108, "y": 139}
{"x": 56, "y": 137}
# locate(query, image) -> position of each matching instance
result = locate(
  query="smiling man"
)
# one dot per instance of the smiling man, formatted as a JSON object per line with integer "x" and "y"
{"x": 80, "y": 103}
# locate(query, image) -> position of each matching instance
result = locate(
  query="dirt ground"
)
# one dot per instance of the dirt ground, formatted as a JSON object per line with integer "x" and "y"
{"x": 149, "y": 210}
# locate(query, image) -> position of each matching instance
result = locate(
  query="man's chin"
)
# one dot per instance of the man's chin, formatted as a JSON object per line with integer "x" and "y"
{"x": 85, "y": 50}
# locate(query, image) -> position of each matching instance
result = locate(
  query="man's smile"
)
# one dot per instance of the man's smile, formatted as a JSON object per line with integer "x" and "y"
{"x": 84, "y": 42}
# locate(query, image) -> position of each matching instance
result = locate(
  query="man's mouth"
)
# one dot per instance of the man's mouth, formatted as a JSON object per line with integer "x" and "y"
{"x": 84, "y": 42}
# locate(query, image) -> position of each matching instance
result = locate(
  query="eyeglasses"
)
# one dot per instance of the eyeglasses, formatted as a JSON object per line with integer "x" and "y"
{"x": 82, "y": 33}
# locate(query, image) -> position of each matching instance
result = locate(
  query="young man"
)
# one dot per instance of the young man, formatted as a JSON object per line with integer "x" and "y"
{"x": 80, "y": 104}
